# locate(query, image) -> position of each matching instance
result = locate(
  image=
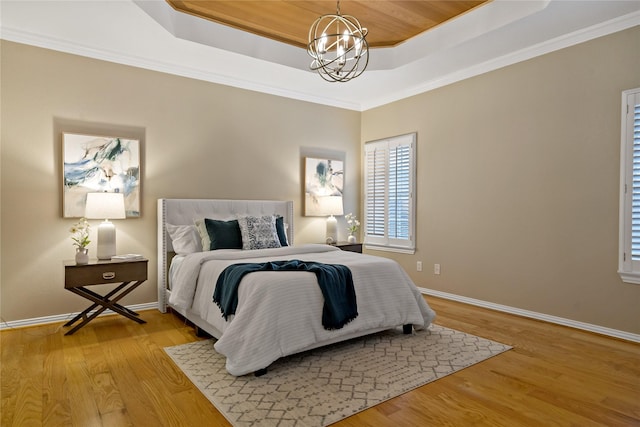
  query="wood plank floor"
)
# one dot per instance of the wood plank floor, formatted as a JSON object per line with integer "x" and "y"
{"x": 114, "y": 372}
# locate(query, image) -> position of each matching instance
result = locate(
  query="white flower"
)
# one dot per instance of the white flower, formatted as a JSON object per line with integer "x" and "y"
{"x": 80, "y": 231}
{"x": 352, "y": 223}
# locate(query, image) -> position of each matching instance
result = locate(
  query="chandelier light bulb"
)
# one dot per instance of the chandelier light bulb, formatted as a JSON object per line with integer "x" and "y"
{"x": 341, "y": 58}
{"x": 322, "y": 44}
{"x": 358, "y": 47}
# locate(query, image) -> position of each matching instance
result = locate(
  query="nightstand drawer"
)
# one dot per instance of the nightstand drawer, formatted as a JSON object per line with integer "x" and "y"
{"x": 107, "y": 272}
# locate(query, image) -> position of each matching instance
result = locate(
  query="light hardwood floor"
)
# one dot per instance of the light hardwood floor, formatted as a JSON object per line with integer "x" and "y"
{"x": 114, "y": 372}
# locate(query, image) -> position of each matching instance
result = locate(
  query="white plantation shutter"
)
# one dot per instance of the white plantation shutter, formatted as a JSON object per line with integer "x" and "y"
{"x": 635, "y": 199}
{"x": 629, "y": 262}
{"x": 376, "y": 188}
{"x": 400, "y": 191}
{"x": 389, "y": 188}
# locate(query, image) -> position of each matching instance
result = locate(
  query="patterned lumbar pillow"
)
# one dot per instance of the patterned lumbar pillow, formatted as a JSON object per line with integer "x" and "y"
{"x": 259, "y": 232}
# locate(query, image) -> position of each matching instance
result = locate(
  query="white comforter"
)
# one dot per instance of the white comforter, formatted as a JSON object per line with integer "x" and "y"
{"x": 280, "y": 313}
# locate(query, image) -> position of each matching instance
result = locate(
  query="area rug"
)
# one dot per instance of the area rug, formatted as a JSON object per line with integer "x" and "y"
{"x": 322, "y": 386}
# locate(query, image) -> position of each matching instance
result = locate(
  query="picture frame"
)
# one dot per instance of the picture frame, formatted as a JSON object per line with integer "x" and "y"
{"x": 97, "y": 163}
{"x": 324, "y": 185}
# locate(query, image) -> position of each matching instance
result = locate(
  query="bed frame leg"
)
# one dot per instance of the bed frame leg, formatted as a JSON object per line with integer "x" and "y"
{"x": 407, "y": 329}
{"x": 201, "y": 333}
{"x": 260, "y": 372}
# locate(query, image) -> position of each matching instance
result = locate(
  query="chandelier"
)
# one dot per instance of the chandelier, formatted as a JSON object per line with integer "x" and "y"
{"x": 338, "y": 47}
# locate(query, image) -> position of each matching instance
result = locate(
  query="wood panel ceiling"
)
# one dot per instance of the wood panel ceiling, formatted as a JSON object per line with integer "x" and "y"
{"x": 389, "y": 22}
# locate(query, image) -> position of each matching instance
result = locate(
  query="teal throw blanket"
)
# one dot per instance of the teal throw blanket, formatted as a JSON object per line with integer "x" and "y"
{"x": 335, "y": 281}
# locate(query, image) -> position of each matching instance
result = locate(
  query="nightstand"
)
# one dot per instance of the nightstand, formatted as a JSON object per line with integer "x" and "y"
{"x": 351, "y": 247}
{"x": 128, "y": 274}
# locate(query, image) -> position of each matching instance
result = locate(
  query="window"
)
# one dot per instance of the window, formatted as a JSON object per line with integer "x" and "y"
{"x": 629, "y": 253}
{"x": 389, "y": 211}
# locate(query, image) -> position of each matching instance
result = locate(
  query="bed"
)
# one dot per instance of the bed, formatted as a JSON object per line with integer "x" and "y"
{"x": 278, "y": 313}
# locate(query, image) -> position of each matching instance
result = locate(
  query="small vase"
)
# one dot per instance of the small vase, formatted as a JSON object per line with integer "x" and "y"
{"x": 82, "y": 256}
{"x": 351, "y": 238}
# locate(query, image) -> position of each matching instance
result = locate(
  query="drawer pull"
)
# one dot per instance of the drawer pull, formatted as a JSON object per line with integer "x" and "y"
{"x": 109, "y": 275}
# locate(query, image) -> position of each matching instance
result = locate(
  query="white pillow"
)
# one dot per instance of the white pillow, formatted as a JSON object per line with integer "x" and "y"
{"x": 184, "y": 239}
{"x": 259, "y": 232}
{"x": 201, "y": 228}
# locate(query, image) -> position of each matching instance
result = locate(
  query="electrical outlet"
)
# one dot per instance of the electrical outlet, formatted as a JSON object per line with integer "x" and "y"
{"x": 419, "y": 266}
{"x": 436, "y": 268}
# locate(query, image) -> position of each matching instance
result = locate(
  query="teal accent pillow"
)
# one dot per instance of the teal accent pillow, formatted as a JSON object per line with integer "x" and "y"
{"x": 282, "y": 233}
{"x": 223, "y": 234}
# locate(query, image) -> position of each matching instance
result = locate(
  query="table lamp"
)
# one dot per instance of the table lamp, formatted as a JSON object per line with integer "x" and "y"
{"x": 105, "y": 206}
{"x": 330, "y": 205}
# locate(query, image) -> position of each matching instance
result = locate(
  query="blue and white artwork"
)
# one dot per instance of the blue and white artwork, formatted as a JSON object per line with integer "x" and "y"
{"x": 324, "y": 182}
{"x": 98, "y": 163}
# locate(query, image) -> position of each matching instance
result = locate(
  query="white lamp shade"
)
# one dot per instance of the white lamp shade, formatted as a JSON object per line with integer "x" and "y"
{"x": 105, "y": 206}
{"x": 328, "y": 205}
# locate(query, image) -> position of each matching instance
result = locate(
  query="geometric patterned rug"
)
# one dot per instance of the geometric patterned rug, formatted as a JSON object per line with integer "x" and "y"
{"x": 322, "y": 386}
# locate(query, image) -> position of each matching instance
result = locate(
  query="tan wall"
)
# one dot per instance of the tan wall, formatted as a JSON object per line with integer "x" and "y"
{"x": 518, "y": 182}
{"x": 518, "y": 171}
{"x": 201, "y": 140}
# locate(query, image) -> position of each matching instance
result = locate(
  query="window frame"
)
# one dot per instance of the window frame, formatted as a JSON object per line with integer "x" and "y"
{"x": 628, "y": 268}
{"x": 385, "y": 242}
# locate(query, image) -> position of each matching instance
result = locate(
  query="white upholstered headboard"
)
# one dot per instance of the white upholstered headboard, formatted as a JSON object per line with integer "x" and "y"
{"x": 186, "y": 211}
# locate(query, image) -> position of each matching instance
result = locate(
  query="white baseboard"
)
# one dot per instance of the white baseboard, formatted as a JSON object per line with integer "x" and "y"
{"x": 535, "y": 315}
{"x": 480, "y": 303}
{"x": 64, "y": 317}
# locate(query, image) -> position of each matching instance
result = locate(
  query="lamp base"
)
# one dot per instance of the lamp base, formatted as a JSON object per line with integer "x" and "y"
{"x": 106, "y": 240}
{"x": 332, "y": 230}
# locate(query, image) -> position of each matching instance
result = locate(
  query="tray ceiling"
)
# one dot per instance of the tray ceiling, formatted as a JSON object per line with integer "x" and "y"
{"x": 156, "y": 36}
{"x": 388, "y": 22}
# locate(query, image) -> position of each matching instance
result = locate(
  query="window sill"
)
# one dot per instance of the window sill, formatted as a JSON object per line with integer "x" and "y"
{"x": 394, "y": 249}
{"x": 630, "y": 277}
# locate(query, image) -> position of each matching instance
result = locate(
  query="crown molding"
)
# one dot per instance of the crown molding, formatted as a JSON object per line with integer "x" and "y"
{"x": 369, "y": 91}
{"x": 558, "y": 43}
{"x": 74, "y": 48}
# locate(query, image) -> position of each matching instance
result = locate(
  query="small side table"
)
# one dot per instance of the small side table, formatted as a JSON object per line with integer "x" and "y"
{"x": 130, "y": 274}
{"x": 351, "y": 247}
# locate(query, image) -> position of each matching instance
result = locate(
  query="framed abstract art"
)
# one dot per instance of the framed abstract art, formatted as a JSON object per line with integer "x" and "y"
{"x": 324, "y": 184}
{"x": 95, "y": 163}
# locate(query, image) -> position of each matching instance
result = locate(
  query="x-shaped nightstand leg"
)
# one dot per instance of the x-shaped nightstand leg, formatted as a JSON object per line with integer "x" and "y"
{"x": 105, "y": 302}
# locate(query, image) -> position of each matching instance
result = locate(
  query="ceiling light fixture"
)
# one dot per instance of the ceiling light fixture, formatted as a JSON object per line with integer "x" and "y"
{"x": 338, "y": 46}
